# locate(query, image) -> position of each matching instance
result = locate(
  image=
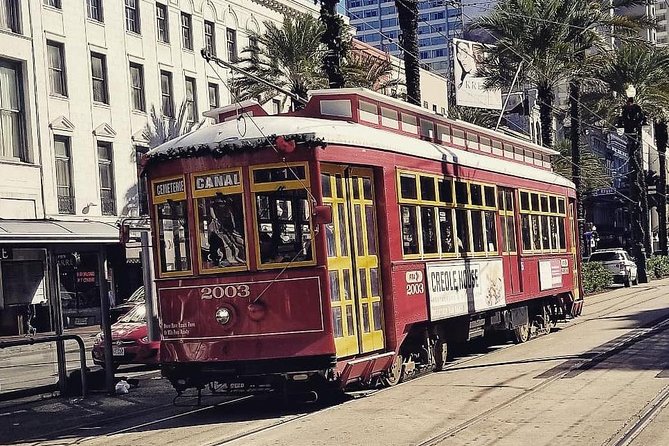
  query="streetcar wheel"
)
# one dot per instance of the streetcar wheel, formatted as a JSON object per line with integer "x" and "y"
{"x": 521, "y": 333}
{"x": 395, "y": 373}
{"x": 440, "y": 355}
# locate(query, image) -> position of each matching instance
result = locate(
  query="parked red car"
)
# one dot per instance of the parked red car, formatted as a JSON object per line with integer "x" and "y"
{"x": 130, "y": 342}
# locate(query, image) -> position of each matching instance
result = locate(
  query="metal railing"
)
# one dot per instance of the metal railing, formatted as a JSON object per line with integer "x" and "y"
{"x": 56, "y": 338}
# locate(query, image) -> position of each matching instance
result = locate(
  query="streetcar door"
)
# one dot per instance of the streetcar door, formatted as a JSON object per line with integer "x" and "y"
{"x": 353, "y": 263}
{"x": 367, "y": 280}
{"x": 507, "y": 208}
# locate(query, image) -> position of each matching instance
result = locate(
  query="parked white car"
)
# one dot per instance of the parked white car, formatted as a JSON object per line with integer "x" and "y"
{"x": 619, "y": 263}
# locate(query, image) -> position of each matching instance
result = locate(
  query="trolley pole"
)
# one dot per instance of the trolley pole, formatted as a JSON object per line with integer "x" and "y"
{"x": 148, "y": 274}
{"x": 106, "y": 323}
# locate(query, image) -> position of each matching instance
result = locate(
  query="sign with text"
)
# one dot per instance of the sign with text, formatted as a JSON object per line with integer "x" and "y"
{"x": 470, "y": 88}
{"x": 6, "y": 254}
{"x": 550, "y": 274}
{"x": 466, "y": 286}
{"x": 169, "y": 189}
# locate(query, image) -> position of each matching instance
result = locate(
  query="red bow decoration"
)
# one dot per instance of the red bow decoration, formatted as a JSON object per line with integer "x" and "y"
{"x": 284, "y": 145}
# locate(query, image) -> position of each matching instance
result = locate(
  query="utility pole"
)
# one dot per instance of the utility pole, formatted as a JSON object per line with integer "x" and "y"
{"x": 632, "y": 120}
{"x": 661, "y": 139}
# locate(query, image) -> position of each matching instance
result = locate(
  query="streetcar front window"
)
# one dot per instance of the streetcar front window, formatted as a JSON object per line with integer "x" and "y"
{"x": 221, "y": 231}
{"x": 283, "y": 214}
{"x": 283, "y": 226}
{"x": 173, "y": 236}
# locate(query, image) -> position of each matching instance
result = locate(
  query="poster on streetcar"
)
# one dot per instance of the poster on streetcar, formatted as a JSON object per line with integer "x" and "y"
{"x": 550, "y": 274}
{"x": 467, "y": 286}
{"x": 470, "y": 88}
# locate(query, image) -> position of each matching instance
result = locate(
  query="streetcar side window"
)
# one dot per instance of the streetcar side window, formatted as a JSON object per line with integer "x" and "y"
{"x": 542, "y": 222}
{"x": 507, "y": 220}
{"x": 219, "y": 217}
{"x": 173, "y": 235}
{"x": 282, "y": 215}
{"x": 444, "y": 217}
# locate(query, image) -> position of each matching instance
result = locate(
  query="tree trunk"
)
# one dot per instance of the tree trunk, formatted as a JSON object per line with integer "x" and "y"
{"x": 661, "y": 143}
{"x": 407, "y": 11}
{"x": 334, "y": 43}
{"x": 575, "y": 112}
{"x": 637, "y": 178}
{"x": 546, "y": 96}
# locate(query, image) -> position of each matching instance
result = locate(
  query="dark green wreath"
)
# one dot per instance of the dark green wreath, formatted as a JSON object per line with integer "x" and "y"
{"x": 221, "y": 149}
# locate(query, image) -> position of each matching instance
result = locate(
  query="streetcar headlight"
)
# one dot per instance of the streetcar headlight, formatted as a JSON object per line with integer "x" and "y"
{"x": 223, "y": 315}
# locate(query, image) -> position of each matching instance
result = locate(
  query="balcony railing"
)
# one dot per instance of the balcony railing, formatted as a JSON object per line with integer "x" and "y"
{"x": 108, "y": 204}
{"x": 65, "y": 204}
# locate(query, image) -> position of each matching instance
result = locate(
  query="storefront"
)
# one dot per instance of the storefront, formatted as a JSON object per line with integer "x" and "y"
{"x": 50, "y": 274}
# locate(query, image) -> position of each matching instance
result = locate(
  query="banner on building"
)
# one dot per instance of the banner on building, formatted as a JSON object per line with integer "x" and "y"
{"x": 470, "y": 88}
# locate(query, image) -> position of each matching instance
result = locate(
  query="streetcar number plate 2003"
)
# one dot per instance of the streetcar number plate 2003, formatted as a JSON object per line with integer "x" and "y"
{"x": 118, "y": 351}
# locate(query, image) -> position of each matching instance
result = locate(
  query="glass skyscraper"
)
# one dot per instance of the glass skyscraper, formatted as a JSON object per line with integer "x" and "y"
{"x": 439, "y": 21}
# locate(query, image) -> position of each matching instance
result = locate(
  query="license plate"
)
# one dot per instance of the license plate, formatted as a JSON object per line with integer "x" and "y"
{"x": 80, "y": 321}
{"x": 118, "y": 351}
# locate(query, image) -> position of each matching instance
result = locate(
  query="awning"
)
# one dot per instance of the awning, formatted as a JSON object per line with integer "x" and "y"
{"x": 57, "y": 232}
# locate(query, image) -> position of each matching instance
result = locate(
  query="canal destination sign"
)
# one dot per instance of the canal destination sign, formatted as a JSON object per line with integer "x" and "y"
{"x": 460, "y": 287}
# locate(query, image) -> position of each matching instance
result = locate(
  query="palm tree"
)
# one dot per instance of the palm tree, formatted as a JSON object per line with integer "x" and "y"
{"x": 292, "y": 58}
{"x": 645, "y": 67}
{"x": 159, "y": 130}
{"x": 594, "y": 172}
{"x": 288, "y": 56}
{"x": 531, "y": 38}
{"x": 477, "y": 116}
{"x": 334, "y": 39}
{"x": 407, "y": 14}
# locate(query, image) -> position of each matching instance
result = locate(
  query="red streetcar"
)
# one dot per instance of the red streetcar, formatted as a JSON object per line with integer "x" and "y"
{"x": 351, "y": 242}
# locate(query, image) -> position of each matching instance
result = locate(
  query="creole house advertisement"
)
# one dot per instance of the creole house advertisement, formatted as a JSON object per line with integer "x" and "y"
{"x": 464, "y": 286}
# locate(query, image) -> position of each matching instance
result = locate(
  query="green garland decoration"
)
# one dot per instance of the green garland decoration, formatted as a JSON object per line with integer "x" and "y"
{"x": 222, "y": 149}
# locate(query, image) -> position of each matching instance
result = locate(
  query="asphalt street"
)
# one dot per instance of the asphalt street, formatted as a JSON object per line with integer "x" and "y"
{"x": 601, "y": 379}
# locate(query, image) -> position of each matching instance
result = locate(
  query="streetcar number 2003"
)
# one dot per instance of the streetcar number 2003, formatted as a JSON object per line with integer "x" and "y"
{"x": 415, "y": 288}
{"x": 225, "y": 291}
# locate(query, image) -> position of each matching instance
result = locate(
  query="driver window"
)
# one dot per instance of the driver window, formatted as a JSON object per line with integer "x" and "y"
{"x": 283, "y": 215}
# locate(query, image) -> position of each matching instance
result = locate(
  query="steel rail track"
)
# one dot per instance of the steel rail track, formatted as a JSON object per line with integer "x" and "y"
{"x": 454, "y": 365}
{"x": 641, "y": 334}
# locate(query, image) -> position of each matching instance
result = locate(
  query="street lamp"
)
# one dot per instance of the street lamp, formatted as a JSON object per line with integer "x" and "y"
{"x": 631, "y": 120}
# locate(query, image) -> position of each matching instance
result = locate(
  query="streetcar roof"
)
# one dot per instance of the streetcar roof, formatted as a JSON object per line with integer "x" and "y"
{"x": 351, "y": 134}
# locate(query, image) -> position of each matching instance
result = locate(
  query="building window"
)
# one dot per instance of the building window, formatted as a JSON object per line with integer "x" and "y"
{"x": 99, "y": 76}
{"x": 56, "y": 68}
{"x": 166, "y": 93}
{"x": 53, "y": 3}
{"x": 191, "y": 100}
{"x": 142, "y": 186}
{"x": 132, "y": 16}
{"x": 106, "y": 169}
{"x": 9, "y": 15}
{"x": 213, "y": 96}
{"x": 162, "y": 23}
{"x": 94, "y": 8}
{"x": 209, "y": 37}
{"x": 231, "y": 42}
{"x": 64, "y": 187}
{"x": 12, "y": 120}
{"x": 186, "y": 31}
{"x": 137, "y": 87}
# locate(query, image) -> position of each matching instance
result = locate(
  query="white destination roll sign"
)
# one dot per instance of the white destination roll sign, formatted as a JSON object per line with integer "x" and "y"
{"x": 461, "y": 287}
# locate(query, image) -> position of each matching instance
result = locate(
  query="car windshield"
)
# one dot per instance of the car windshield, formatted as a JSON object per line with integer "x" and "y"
{"x": 606, "y": 256}
{"x": 137, "y": 314}
{"x": 137, "y": 296}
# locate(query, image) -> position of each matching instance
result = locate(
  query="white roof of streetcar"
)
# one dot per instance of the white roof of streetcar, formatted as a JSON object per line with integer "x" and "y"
{"x": 253, "y": 128}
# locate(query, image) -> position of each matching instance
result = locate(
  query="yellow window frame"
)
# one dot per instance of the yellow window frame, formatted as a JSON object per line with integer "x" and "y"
{"x": 206, "y": 193}
{"x": 270, "y": 187}
{"x": 541, "y": 213}
{"x": 164, "y": 198}
{"x": 437, "y": 203}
